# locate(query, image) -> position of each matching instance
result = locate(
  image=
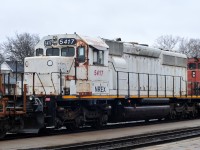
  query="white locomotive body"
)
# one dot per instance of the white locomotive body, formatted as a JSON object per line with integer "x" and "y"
{"x": 75, "y": 80}
{"x": 152, "y": 72}
{"x": 94, "y": 66}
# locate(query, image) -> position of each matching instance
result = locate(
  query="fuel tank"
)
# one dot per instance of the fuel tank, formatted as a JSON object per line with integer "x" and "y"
{"x": 146, "y": 112}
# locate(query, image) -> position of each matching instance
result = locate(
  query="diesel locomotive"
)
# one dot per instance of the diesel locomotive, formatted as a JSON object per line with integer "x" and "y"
{"x": 74, "y": 80}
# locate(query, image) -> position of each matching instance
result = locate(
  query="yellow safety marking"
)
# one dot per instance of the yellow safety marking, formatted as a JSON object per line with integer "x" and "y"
{"x": 123, "y": 96}
{"x": 69, "y": 96}
{"x": 92, "y": 96}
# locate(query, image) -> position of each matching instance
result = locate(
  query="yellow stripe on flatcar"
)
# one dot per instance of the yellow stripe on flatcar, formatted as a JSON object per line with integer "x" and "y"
{"x": 92, "y": 97}
{"x": 69, "y": 97}
{"x": 123, "y": 96}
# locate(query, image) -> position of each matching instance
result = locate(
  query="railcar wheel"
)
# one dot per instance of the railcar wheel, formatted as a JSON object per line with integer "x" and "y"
{"x": 97, "y": 124}
{"x": 79, "y": 121}
{"x": 194, "y": 113}
{"x": 100, "y": 122}
{"x": 173, "y": 115}
{"x": 43, "y": 130}
{"x": 2, "y": 133}
{"x": 71, "y": 126}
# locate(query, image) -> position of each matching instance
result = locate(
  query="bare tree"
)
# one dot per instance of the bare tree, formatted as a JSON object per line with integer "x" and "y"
{"x": 190, "y": 47}
{"x": 21, "y": 46}
{"x": 1, "y": 58}
{"x": 1, "y": 55}
{"x": 167, "y": 42}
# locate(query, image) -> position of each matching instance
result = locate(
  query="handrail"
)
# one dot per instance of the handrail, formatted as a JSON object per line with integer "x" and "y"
{"x": 57, "y": 73}
{"x": 38, "y": 78}
{"x": 72, "y": 64}
{"x": 140, "y": 73}
{"x": 52, "y": 82}
{"x": 41, "y": 83}
{"x": 148, "y": 75}
{"x": 61, "y": 74}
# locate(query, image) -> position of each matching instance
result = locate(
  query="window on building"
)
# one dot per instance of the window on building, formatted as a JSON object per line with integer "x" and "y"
{"x": 98, "y": 57}
{"x": 67, "y": 51}
{"x": 192, "y": 66}
{"x": 81, "y": 54}
{"x": 39, "y": 52}
{"x": 52, "y": 52}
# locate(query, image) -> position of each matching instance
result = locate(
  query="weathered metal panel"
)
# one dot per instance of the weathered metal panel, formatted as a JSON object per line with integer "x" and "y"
{"x": 99, "y": 77}
{"x": 169, "y": 60}
{"x": 115, "y": 47}
{"x": 98, "y": 73}
{"x": 141, "y": 50}
{"x": 182, "y": 62}
{"x": 100, "y": 88}
{"x": 97, "y": 43}
{"x": 83, "y": 87}
{"x": 174, "y": 59}
{"x": 81, "y": 72}
{"x": 129, "y": 49}
{"x": 47, "y": 77}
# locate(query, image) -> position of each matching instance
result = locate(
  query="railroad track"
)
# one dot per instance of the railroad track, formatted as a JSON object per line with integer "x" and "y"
{"x": 131, "y": 142}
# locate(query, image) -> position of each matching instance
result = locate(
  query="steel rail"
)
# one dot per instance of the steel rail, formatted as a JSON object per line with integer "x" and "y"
{"x": 131, "y": 142}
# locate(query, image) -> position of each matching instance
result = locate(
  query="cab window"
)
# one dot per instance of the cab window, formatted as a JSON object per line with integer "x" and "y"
{"x": 198, "y": 65}
{"x": 98, "y": 57}
{"x": 39, "y": 52}
{"x": 192, "y": 66}
{"x": 67, "y": 51}
{"x": 52, "y": 52}
{"x": 81, "y": 54}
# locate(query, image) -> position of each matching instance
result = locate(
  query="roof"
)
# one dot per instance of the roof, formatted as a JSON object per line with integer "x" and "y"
{"x": 5, "y": 68}
{"x": 97, "y": 43}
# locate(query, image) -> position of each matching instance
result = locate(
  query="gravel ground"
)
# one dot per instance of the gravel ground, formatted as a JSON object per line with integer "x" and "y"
{"x": 72, "y": 138}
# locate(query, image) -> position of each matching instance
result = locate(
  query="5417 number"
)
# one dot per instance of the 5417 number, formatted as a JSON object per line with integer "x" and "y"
{"x": 67, "y": 41}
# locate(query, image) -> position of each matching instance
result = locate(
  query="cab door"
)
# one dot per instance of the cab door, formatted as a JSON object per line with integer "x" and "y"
{"x": 82, "y": 83}
{"x": 82, "y": 61}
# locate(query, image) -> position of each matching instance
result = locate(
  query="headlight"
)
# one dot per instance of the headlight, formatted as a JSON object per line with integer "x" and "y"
{"x": 31, "y": 98}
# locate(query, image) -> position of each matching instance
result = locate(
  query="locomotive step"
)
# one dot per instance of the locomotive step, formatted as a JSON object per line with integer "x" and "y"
{"x": 11, "y": 102}
{"x": 14, "y": 108}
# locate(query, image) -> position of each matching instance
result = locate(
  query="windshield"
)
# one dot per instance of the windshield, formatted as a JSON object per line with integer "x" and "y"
{"x": 67, "y": 51}
{"x": 52, "y": 52}
{"x": 39, "y": 51}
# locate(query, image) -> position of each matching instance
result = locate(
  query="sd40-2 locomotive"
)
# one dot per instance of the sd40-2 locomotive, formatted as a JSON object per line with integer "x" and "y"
{"x": 75, "y": 80}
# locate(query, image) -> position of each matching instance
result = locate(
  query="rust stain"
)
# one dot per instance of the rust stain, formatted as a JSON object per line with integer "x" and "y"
{"x": 86, "y": 63}
{"x": 85, "y": 93}
{"x": 69, "y": 77}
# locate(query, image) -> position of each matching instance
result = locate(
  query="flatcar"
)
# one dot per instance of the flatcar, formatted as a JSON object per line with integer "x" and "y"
{"x": 76, "y": 80}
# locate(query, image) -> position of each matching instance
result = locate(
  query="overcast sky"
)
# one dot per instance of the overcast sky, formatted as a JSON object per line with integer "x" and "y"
{"x": 133, "y": 20}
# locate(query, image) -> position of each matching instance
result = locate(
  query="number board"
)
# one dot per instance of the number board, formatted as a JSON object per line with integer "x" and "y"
{"x": 48, "y": 42}
{"x": 67, "y": 41}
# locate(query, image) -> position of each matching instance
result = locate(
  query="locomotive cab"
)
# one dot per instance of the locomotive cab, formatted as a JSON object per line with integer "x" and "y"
{"x": 71, "y": 65}
{"x": 92, "y": 67}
